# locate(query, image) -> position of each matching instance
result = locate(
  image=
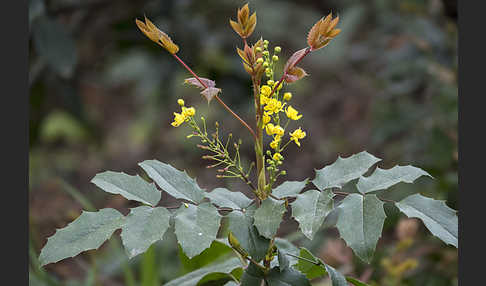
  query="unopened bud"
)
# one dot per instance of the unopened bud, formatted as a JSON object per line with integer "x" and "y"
{"x": 275, "y": 58}
{"x": 266, "y": 53}
{"x": 268, "y": 70}
{"x": 186, "y": 205}
{"x": 287, "y": 96}
{"x": 180, "y": 102}
{"x": 277, "y": 49}
{"x": 189, "y": 136}
{"x": 283, "y": 173}
{"x": 269, "y": 153}
{"x": 216, "y": 124}
{"x": 265, "y": 42}
{"x": 270, "y": 82}
{"x": 258, "y": 49}
{"x": 259, "y": 61}
{"x": 265, "y": 64}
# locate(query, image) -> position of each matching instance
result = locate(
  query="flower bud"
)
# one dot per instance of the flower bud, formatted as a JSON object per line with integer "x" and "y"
{"x": 270, "y": 82}
{"x": 259, "y": 61}
{"x": 275, "y": 58}
{"x": 258, "y": 49}
{"x": 265, "y": 64}
{"x": 186, "y": 205}
{"x": 287, "y": 96}
{"x": 283, "y": 172}
{"x": 277, "y": 49}
{"x": 265, "y": 53}
{"x": 180, "y": 102}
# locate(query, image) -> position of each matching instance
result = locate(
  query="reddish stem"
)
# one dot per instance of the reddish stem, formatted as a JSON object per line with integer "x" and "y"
{"x": 217, "y": 98}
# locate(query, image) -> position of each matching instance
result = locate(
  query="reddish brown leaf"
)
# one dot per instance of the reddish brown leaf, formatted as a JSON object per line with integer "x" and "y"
{"x": 193, "y": 81}
{"x": 313, "y": 33}
{"x": 293, "y": 59}
{"x": 294, "y": 74}
{"x": 236, "y": 27}
{"x": 210, "y": 92}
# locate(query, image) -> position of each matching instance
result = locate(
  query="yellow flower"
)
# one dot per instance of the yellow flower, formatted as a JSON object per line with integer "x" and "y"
{"x": 296, "y": 135}
{"x": 179, "y": 118}
{"x": 266, "y": 118}
{"x": 188, "y": 112}
{"x": 292, "y": 113}
{"x": 180, "y": 102}
{"x": 274, "y": 143}
{"x": 263, "y": 99}
{"x": 287, "y": 96}
{"x": 273, "y": 106}
{"x": 277, "y": 157}
{"x": 265, "y": 90}
{"x": 269, "y": 128}
{"x": 278, "y": 130}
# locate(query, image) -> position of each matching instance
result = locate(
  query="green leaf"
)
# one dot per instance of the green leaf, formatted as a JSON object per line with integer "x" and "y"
{"x": 131, "y": 187}
{"x": 227, "y": 199}
{"x": 436, "y": 215}
{"x": 344, "y": 170}
{"x": 286, "y": 246}
{"x": 311, "y": 270}
{"x": 283, "y": 262}
{"x": 383, "y": 179}
{"x": 192, "y": 278}
{"x": 355, "y": 282}
{"x": 177, "y": 183}
{"x": 360, "y": 223}
{"x": 217, "y": 250}
{"x": 289, "y": 188}
{"x": 241, "y": 225}
{"x": 196, "y": 227}
{"x": 252, "y": 276}
{"x": 269, "y": 216}
{"x": 86, "y": 232}
{"x": 287, "y": 277}
{"x": 144, "y": 226}
{"x": 310, "y": 209}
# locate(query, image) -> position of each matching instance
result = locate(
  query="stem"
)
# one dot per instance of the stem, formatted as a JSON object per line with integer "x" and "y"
{"x": 260, "y": 157}
{"x": 217, "y": 98}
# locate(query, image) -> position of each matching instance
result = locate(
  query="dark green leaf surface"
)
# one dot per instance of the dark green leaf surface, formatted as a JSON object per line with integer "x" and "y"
{"x": 86, "y": 232}
{"x": 225, "y": 198}
{"x": 360, "y": 223}
{"x": 192, "y": 278}
{"x": 241, "y": 225}
{"x": 312, "y": 270}
{"x": 144, "y": 226}
{"x": 287, "y": 277}
{"x": 289, "y": 189}
{"x": 131, "y": 187}
{"x": 436, "y": 215}
{"x": 252, "y": 276}
{"x": 383, "y": 179}
{"x": 344, "y": 170}
{"x": 177, "y": 183}
{"x": 268, "y": 217}
{"x": 310, "y": 209}
{"x": 196, "y": 227}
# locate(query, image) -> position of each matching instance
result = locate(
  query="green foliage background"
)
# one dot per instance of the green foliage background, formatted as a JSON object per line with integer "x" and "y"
{"x": 102, "y": 97}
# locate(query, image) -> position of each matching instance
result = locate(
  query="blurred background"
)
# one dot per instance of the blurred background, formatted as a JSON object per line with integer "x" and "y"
{"x": 102, "y": 97}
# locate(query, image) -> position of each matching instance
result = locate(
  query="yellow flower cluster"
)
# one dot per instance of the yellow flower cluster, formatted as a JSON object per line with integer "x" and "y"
{"x": 185, "y": 115}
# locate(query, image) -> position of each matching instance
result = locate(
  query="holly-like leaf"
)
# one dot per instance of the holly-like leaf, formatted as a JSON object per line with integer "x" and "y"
{"x": 289, "y": 189}
{"x": 196, "y": 227}
{"x": 177, "y": 183}
{"x": 286, "y": 246}
{"x": 310, "y": 209}
{"x": 436, "y": 215}
{"x": 86, "y": 232}
{"x": 344, "y": 170}
{"x": 269, "y": 216}
{"x": 241, "y": 225}
{"x": 210, "y": 92}
{"x": 193, "y": 278}
{"x": 360, "y": 223}
{"x": 383, "y": 179}
{"x": 286, "y": 277}
{"x": 318, "y": 268}
{"x": 227, "y": 199}
{"x": 144, "y": 226}
{"x": 131, "y": 187}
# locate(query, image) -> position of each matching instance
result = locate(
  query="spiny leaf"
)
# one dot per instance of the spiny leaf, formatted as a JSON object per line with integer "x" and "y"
{"x": 344, "y": 170}
{"x": 292, "y": 61}
{"x": 289, "y": 188}
{"x": 383, "y": 179}
{"x": 177, "y": 183}
{"x": 436, "y": 215}
{"x": 86, "y": 232}
{"x": 360, "y": 223}
{"x": 227, "y": 199}
{"x": 241, "y": 225}
{"x": 310, "y": 209}
{"x": 269, "y": 216}
{"x": 294, "y": 74}
{"x": 196, "y": 227}
{"x": 131, "y": 187}
{"x": 193, "y": 278}
{"x": 144, "y": 226}
{"x": 252, "y": 276}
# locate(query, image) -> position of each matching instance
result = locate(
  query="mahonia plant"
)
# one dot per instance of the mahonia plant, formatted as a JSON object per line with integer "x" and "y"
{"x": 261, "y": 257}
